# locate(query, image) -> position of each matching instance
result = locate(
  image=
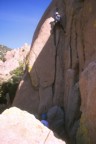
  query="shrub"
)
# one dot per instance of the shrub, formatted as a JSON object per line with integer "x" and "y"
{"x": 12, "y": 84}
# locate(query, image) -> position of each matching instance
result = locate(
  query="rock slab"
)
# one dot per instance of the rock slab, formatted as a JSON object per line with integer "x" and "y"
{"x": 17, "y": 126}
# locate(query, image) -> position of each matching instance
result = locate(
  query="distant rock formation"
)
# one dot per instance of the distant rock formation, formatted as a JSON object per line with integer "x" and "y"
{"x": 20, "y": 127}
{"x": 12, "y": 60}
{"x": 61, "y": 69}
{"x": 3, "y": 50}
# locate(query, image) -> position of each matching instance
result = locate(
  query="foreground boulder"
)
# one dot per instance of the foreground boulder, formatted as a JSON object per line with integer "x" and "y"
{"x": 20, "y": 127}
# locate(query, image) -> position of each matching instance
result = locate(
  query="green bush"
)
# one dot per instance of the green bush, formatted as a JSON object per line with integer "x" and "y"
{"x": 12, "y": 84}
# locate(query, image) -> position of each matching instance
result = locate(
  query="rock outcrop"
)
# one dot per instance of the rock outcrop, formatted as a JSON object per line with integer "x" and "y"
{"x": 87, "y": 131}
{"x": 18, "y": 127}
{"x": 3, "y": 50}
{"x": 12, "y": 60}
{"x": 61, "y": 69}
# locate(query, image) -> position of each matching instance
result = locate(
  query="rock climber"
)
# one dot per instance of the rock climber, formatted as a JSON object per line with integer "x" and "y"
{"x": 57, "y": 23}
{"x": 57, "y": 16}
{"x": 58, "y": 19}
{"x": 44, "y": 120}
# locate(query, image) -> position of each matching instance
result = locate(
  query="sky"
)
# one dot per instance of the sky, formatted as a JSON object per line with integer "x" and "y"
{"x": 19, "y": 19}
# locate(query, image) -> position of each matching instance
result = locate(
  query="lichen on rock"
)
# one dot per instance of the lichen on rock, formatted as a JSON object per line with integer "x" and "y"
{"x": 83, "y": 136}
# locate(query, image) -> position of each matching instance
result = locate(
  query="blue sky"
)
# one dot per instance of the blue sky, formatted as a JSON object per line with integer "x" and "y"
{"x": 18, "y": 20}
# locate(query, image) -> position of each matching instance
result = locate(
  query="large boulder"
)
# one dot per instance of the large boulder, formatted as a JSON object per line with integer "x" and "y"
{"x": 56, "y": 120}
{"x": 17, "y": 126}
{"x": 87, "y": 130}
{"x": 42, "y": 66}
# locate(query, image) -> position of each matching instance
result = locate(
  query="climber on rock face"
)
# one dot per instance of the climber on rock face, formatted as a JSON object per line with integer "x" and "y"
{"x": 58, "y": 19}
{"x": 57, "y": 16}
{"x": 57, "y": 26}
{"x": 57, "y": 23}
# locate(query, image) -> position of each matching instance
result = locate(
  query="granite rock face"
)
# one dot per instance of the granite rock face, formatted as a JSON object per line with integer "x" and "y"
{"x": 88, "y": 97}
{"x": 59, "y": 65}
